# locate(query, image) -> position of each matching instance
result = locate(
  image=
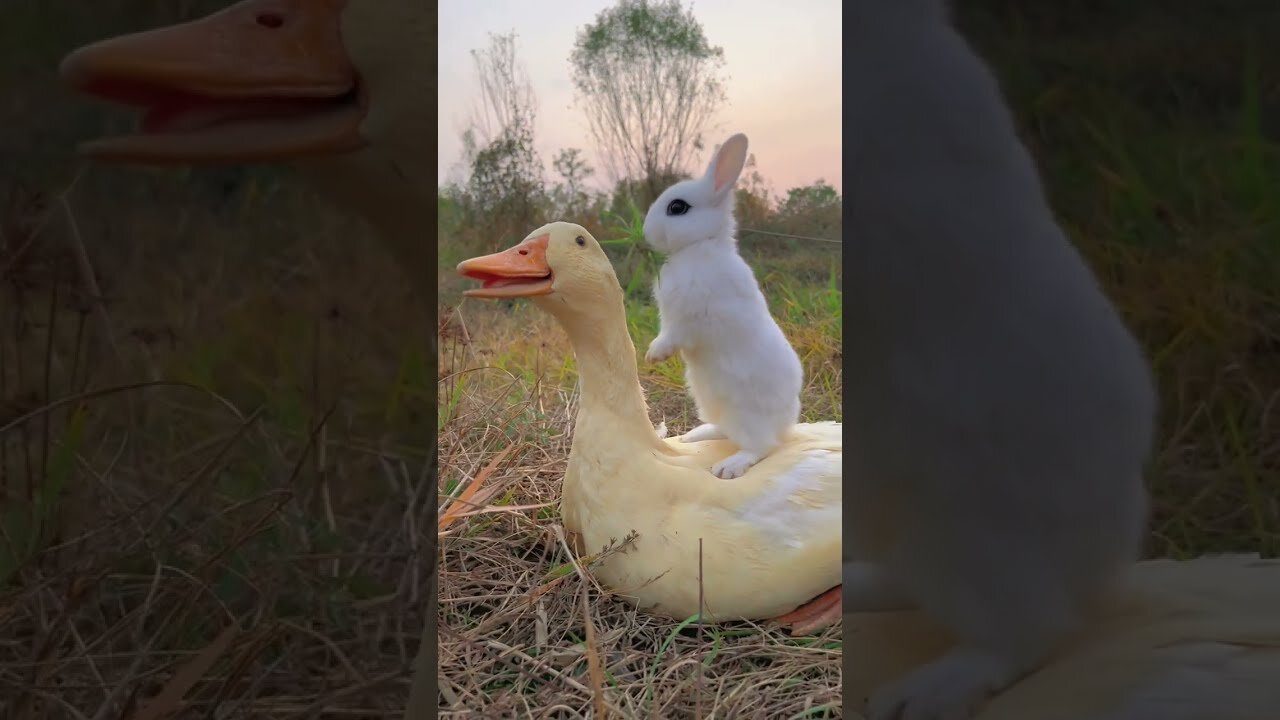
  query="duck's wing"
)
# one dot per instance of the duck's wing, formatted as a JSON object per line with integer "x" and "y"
{"x": 1190, "y": 640}
{"x": 1195, "y": 640}
{"x": 827, "y": 432}
{"x": 794, "y": 500}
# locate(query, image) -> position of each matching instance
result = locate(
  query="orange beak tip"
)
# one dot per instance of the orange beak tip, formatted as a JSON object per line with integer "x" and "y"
{"x": 77, "y": 68}
{"x": 68, "y": 70}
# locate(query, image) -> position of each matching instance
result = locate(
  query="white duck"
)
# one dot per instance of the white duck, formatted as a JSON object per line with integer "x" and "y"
{"x": 343, "y": 90}
{"x": 770, "y": 539}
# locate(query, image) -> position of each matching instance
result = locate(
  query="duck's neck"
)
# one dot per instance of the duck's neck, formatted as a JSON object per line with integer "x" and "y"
{"x": 389, "y": 194}
{"x": 612, "y": 400}
{"x": 406, "y": 235}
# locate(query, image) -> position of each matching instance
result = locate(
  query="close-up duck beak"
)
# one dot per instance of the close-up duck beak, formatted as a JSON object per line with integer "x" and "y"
{"x": 521, "y": 271}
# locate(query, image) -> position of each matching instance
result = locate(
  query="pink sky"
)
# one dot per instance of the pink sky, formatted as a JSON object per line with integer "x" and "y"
{"x": 782, "y": 61}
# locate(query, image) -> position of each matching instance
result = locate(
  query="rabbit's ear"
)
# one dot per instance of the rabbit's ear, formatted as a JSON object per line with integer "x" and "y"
{"x": 726, "y": 165}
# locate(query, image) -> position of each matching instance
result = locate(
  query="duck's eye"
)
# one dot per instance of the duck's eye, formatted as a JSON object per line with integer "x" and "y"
{"x": 582, "y": 242}
{"x": 677, "y": 207}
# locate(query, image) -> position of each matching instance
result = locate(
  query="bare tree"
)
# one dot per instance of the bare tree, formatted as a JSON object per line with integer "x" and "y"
{"x": 505, "y": 173}
{"x": 506, "y": 95}
{"x": 648, "y": 82}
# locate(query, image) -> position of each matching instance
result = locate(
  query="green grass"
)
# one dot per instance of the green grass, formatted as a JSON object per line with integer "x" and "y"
{"x": 1160, "y": 154}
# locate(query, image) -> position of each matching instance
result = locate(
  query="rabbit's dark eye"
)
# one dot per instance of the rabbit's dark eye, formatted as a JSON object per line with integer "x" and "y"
{"x": 582, "y": 242}
{"x": 677, "y": 207}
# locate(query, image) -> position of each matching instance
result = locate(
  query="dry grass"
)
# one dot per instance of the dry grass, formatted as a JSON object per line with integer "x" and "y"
{"x": 195, "y": 518}
{"x": 522, "y": 623}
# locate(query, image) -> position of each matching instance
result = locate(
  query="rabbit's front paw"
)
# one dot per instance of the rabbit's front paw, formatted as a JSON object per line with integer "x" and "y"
{"x": 952, "y": 687}
{"x": 660, "y": 349}
{"x": 736, "y": 465}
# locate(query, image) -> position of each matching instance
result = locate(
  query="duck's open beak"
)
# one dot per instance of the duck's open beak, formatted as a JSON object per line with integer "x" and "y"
{"x": 521, "y": 271}
{"x": 262, "y": 80}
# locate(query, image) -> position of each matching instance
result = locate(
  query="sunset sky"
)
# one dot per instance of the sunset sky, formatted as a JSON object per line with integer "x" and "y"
{"x": 782, "y": 61}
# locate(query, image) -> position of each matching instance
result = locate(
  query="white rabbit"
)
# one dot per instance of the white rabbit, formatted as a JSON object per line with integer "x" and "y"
{"x": 742, "y": 372}
{"x": 1000, "y": 412}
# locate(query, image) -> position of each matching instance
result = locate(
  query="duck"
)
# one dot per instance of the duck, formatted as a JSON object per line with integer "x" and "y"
{"x": 342, "y": 91}
{"x": 1191, "y": 639}
{"x": 665, "y": 533}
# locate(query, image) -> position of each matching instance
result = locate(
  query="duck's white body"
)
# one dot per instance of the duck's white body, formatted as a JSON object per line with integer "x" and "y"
{"x": 1193, "y": 640}
{"x": 770, "y": 538}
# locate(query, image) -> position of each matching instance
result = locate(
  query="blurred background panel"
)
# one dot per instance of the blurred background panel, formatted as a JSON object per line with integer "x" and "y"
{"x": 231, "y": 426}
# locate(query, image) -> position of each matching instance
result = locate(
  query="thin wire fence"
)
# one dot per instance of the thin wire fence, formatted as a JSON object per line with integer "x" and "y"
{"x": 788, "y": 235}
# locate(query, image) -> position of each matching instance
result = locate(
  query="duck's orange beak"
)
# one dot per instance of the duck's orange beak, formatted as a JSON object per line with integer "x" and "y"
{"x": 521, "y": 271}
{"x": 262, "y": 80}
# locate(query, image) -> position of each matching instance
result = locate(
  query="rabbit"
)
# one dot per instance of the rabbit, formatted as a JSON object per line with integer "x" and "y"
{"x": 743, "y": 374}
{"x": 1000, "y": 412}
